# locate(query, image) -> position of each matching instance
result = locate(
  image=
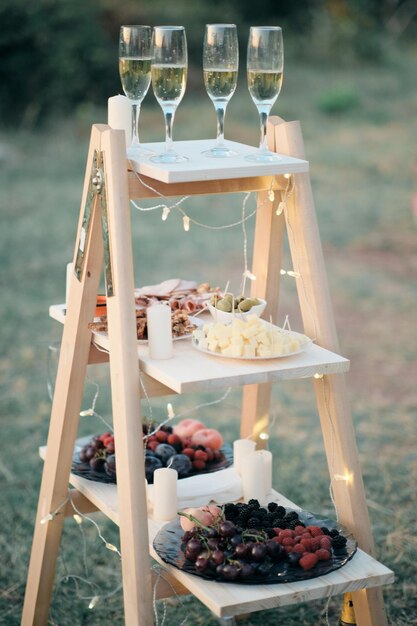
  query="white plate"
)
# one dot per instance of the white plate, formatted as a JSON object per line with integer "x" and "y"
{"x": 194, "y": 320}
{"x": 258, "y": 358}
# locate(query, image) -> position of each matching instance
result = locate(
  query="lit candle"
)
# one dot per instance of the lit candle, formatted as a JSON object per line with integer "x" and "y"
{"x": 159, "y": 331}
{"x": 119, "y": 116}
{"x": 164, "y": 494}
{"x": 253, "y": 478}
{"x": 241, "y": 449}
{"x": 70, "y": 271}
{"x": 266, "y": 457}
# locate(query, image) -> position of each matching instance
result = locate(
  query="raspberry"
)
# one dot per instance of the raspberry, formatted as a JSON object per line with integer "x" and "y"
{"x": 199, "y": 464}
{"x": 306, "y": 536}
{"x": 201, "y": 455}
{"x": 189, "y": 452}
{"x": 315, "y": 530}
{"x": 277, "y": 530}
{"x": 322, "y": 554}
{"x": 307, "y": 543}
{"x": 299, "y": 529}
{"x": 315, "y": 544}
{"x": 298, "y": 547}
{"x": 288, "y": 549}
{"x": 175, "y": 441}
{"x": 161, "y": 436}
{"x": 288, "y": 541}
{"x": 325, "y": 542}
{"x": 104, "y": 436}
{"x": 308, "y": 561}
{"x": 153, "y": 445}
{"x": 286, "y": 533}
{"x": 210, "y": 454}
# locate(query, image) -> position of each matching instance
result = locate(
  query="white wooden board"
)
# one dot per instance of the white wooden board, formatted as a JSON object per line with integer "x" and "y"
{"x": 190, "y": 370}
{"x": 202, "y": 167}
{"x": 226, "y": 599}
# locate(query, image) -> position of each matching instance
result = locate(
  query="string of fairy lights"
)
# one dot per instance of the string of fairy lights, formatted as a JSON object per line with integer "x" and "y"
{"x": 188, "y": 221}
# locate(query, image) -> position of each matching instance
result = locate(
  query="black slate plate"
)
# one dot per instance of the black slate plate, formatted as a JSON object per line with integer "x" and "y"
{"x": 168, "y": 545}
{"x": 85, "y": 471}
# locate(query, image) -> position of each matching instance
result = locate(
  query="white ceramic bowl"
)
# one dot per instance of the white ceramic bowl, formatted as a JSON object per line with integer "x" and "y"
{"x": 225, "y": 318}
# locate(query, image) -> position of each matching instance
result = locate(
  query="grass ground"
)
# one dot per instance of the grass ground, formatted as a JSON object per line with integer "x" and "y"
{"x": 361, "y": 165}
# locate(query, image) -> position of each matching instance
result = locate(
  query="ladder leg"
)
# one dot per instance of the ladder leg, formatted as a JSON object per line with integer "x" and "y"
{"x": 332, "y": 399}
{"x": 66, "y": 405}
{"x": 124, "y": 372}
{"x": 266, "y": 265}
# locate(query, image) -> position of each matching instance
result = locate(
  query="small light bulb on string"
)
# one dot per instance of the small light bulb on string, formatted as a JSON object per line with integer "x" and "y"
{"x": 343, "y": 477}
{"x": 170, "y": 411}
{"x": 93, "y": 602}
{"x": 264, "y": 436}
{"x": 47, "y": 518}
{"x": 290, "y": 273}
{"x": 271, "y": 195}
{"x": 111, "y": 547}
{"x": 281, "y": 208}
{"x": 77, "y": 518}
{"x": 87, "y": 412}
{"x": 248, "y": 274}
{"x": 165, "y": 212}
{"x": 287, "y": 176}
{"x": 186, "y": 222}
{"x": 318, "y": 376}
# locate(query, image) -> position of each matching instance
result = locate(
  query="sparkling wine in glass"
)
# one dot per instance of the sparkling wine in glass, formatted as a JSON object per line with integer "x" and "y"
{"x": 135, "y": 75}
{"x": 265, "y": 65}
{"x": 169, "y": 78}
{"x": 220, "y": 67}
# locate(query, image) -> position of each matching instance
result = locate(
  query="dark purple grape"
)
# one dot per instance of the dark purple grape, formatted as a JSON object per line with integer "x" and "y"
{"x": 165, "y": 452}
{"x": 89, "y": 452}
{"x": 181, "y": 463}
{"x": 293, "y": 558}
{"x": 258, "y": 552}
{"x": 187, "y": 536}
{"x": 97, "y": 464}
{"x": 246, "y": 570}
{"x": 227, "y": 529}
{"x": 152, "y": 463}
{"x": 219, "y": 569}
{"x": 212, "y": 532}
{"x": 242, "y": 550}
{"x": 217, "y": 556}
{"x": 193, "y": 549}
{"x": 236, "y": 540}
{"x": 83, "y": 456}
{"x": 275, "y": 550}
{"x": 201, "y": 563}
{"x": 264, "y": 569}
{"x": 213, "y": 544}
{"x": 230, "y": 571}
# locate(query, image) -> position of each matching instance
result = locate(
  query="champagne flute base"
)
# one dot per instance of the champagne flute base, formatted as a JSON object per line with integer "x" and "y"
{"x": 168, "y": 157}
{"x": 263, "y": 156}
{"x": 220, "y": 152}
{"x": 136, "y": 151}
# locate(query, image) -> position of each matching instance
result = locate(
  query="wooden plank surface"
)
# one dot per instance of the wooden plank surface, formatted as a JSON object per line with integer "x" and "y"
{"x": 200, "y": 167}
{"x": 226, "y": 599}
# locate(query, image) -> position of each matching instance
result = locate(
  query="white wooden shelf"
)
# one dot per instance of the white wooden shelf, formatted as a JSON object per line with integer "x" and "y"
{"x": 226, "y": 599}
{"x": 201, "y": 167}
{"x": 191, "y": 371}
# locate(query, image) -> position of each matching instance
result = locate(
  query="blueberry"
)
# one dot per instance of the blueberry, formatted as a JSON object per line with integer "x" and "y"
{"x": 181, "y": 463}
{"x": 165, "y": 451}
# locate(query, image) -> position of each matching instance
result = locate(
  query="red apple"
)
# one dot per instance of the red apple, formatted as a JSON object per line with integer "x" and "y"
{"x": 207, "y": 437}
{"x": 186, "y": 428}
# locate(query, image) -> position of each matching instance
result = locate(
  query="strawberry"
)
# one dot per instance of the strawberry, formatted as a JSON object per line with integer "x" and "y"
{"x": 322, "y": 554}
{"x": 308, "y": 561}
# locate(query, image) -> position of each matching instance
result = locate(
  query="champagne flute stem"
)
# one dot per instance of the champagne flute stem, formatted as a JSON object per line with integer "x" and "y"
{"x": 220, "y": 113}
{"x": 263, "y": 115}
{"x": 135, "y": 124}
{"x": 169, "y": 114}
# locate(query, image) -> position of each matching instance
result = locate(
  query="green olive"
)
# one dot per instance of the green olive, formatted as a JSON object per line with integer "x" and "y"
{"x": 224, "y": 305}
{"x": 245, "y": 305}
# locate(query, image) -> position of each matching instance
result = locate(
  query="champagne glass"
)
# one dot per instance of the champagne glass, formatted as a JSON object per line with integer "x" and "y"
{"x": 169, "y": 78}
{"x": 265, "y": 64}
{"x": 220, "y": 66}
{"x": 135, "y": 75}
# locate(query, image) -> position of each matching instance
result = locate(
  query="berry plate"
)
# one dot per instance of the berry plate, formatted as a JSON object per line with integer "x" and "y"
{"x": 85, "y": 471}
{"x": 170, "y": 547}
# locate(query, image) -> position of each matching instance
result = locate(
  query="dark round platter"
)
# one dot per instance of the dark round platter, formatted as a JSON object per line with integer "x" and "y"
{"x": 85, "y": 471}
{"x": 169, "y": 546}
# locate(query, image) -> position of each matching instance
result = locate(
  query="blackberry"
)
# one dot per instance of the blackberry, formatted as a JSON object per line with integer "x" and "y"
{"x": 253, "y": 522}
{"x": 334, "y": 532}
{"x": 339, "y": 542}
{"x": 291, "y": 515}
{"x": 292, "y": 524}
{"x": 280, "y": 511}
{"x": 325, "y": 530}
{"x": 272, "y": 506}
{"x": 231, "y": 511}
{"x": 254, "y": 504}
{"x": 270, "y": 532}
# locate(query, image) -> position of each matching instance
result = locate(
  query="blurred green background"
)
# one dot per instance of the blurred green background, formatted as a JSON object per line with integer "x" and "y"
{"x": 350, "y": 78}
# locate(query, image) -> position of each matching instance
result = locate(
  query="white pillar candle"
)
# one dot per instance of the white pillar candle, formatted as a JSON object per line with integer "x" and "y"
{"x": 253, "y": 478}
{"x": 119, "y": 116}
{"x": 164, "y": 494}
{"x": 241, "y": 449}
{"x": 159, "y": 331}
{"x": 266, "y": 457}
{"x": 70, "y": 271}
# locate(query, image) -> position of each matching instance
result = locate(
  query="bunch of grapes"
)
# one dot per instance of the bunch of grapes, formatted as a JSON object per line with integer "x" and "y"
{"x": 234, "y": 548}
{"x": 99, "y": 453}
